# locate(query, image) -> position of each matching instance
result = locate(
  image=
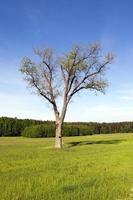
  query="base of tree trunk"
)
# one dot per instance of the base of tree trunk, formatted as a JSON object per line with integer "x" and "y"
{"x": 58, "y": 142}
{"x": 58, "y": 135}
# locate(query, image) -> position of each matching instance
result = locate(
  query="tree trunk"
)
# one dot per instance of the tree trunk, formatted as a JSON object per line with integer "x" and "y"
{"x": 59, "y": 125}
{"x": 58, "y": 136}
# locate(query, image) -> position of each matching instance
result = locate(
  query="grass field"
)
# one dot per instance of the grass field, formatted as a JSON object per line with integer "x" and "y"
{"x": 96, "y": 167}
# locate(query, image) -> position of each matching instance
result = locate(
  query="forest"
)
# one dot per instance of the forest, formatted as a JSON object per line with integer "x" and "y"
{"x": 38, "y": 128}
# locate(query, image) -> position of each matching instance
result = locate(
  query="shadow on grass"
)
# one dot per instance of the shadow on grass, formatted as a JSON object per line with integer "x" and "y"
{"x": 79, "y": 143}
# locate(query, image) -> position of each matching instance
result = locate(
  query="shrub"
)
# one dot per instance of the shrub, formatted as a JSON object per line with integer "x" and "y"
{"x": 48, "y": 130}
{"x": 38, "y": 131}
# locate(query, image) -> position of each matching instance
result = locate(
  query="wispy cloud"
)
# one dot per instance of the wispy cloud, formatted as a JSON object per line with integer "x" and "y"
{"x": 127, "y": 98}
{"x": 126, "y": 94}
{"x": 24, "y": 106}
{"x": 109, "y": 113}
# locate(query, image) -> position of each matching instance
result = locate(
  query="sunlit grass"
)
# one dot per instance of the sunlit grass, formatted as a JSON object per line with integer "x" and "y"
{"x": 96, "y": 167}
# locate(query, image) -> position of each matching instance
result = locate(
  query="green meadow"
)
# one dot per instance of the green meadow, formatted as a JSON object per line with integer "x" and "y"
{"x": 98, "y": 167}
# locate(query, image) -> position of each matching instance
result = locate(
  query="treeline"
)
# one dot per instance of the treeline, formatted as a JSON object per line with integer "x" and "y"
{"x": 14, "y": 126}
{"x": 38, "y": 128}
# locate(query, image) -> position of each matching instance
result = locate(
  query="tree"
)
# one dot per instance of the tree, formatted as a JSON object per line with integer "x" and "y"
{"x": 80, "y": 69}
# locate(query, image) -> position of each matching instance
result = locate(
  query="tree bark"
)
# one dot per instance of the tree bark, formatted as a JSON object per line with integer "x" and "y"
{"x": 58, "y": 136}
{"x": 59, "y": 123}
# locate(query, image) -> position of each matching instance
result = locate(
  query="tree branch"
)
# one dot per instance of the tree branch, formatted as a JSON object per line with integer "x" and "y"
{"x": 75, "y": 90}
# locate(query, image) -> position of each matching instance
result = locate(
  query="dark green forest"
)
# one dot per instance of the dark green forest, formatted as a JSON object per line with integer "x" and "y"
{"x": 38, "y": 128}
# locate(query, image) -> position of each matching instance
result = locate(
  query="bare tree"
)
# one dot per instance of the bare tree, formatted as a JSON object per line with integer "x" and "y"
{"x": 80, "y": 69}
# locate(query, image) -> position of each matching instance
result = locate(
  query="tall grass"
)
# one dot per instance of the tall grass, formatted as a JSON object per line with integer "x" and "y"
{"x": 96, "y": 167}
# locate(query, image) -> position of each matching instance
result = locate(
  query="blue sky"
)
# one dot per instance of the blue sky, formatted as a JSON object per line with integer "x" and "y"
{"x": 60, "y": 24}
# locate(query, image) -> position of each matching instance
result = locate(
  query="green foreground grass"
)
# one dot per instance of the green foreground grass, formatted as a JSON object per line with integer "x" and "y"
{"x": 96, "y": 167}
